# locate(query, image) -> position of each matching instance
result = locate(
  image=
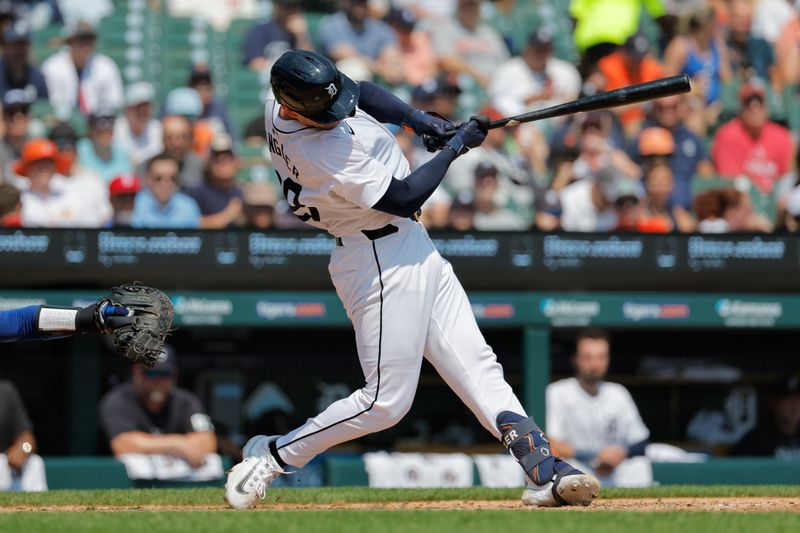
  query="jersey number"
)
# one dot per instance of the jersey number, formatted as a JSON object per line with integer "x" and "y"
{"x": 301, "y": 211}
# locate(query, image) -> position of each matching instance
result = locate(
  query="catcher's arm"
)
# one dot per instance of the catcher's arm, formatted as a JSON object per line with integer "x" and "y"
{"x": 137, "y": 316}
{"x": 46, "y": 321}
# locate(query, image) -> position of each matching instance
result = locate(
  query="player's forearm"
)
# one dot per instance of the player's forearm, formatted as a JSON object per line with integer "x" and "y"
{"x": 382, "y": 104}
{"x": 141, "y": 442}
{"x": 203, "y": 441}
{"x": 403, "y": 198}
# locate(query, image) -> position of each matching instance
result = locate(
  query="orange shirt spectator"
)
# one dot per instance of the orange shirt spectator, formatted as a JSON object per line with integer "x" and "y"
{"x": 628, "y": 65}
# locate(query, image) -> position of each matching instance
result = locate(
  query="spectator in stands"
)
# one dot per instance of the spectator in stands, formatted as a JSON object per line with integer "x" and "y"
{"x": 258, "y": 205}
{"x": 628, "y": 198}
{"x": 66, "y": 139}
{"x": 122, "y": 193}
{"x": 462, "y": 212}
{"x": 689, "y": 157}
{"x": 20, "y": 467}
{"x": 53, "y": 200}
{"x": 727, "y": 211}
{"x": 136, "y": 130}
{"x": 152, "y": 415}
{"x": 602, "y": 25}
{"x": 588, "y": 204}
{"x": 488, "y": 216}
{"x": 352, "y": 34}
{"x": 160, "y": 204}
{"x": 787, "y": 49}
{"x": 424, "y": 9}
{"x": 535, "y": 79}
{"x": 99, "y": 152}
{"x": 79, "y": 78}
{"x": 16, "y": 70}
{"x": 779, "y": 435}
{"x": 771, "y": 17}
{"x": 186, "y": 102}
{"x": 514, "y": 175}
{"x": 177, "y": 131}
{"x": 596, "y": 150}
{"x": 660, "y": 215}
{"x": 750, "y": 56}
{"x": 629, "y": 65}
{"x": 702, "y": 55}
{"x": 466, "y": 45}
{"x": 750, "y": 145}
{"x": 596, "y": 422}
{"x": 16, "y": 116}
{"x": 419, "y": 59}
{"x": 219, "y": 198}
{"x": 439, "y": 95}
{"x": 215, "y": 112}
{"x": 10, "y": 206}
{"x": 288, "y": 29}
{"x": 7, "y": 16}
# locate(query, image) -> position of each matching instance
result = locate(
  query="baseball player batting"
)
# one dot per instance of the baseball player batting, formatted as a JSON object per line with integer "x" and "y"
{"x": 342, "y": 170}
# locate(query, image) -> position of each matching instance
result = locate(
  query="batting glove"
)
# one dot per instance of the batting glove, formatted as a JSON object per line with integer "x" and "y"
{"x": 468, "y": 136}
{"x": 431, "y": 127}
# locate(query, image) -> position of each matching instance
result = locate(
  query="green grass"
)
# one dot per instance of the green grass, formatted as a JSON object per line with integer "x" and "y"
{"x": 213, "y": 496}
{"x": 401, "y": 521}
{"x": 130, "y": 519}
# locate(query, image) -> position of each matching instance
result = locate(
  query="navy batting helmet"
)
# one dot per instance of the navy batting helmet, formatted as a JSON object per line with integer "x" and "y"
{"x": 311, "y": 85}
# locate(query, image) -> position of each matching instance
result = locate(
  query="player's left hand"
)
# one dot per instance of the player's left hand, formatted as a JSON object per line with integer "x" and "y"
{"x": 431, "y": 127}
{"x": 612, "y": 456}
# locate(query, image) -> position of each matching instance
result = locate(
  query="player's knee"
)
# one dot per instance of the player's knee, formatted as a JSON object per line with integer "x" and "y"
{"x": 391, "y": 409}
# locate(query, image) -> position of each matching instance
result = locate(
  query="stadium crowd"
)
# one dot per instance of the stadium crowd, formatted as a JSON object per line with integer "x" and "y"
{"x": 116, "y": 150}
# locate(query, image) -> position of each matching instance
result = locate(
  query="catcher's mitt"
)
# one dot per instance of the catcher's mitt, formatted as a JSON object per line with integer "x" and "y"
{"x": 140, "y": 335}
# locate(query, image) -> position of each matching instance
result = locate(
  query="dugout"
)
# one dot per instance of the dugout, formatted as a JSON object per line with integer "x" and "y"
{"x": 253, "y": 308}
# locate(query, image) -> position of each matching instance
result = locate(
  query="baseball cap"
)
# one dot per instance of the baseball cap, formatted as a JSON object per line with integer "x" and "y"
{"x": 625, "y": 188}
{"x": 7, "y": 10}
{"x": 184, "y": 101}
{"x": 35, "y": 150}
{"x": 139, "y": 93}
{"x": 430, "y": 88}
{"x": 637, "y": 46}
{"x": 17, "y": 32}
{"x": 124, "y": 184}
{"x": 221, "y": 143}
{"x": 484, "y": 169}
{"x": 402, "y": 18}
{"x": 103, "y": 119}
{"x": 541, "y": 38}
{"x": 63, "y": 135}
{"x": 80, "y": 29}
{"x": 199, "y": 74}
{"x": 259, "y": 194}
{"x": 656, "y": 141}
{"x": 167, "y": 364}
{"x": 17, "y": 99}
{"x": 785, "y": 387}
{"x": 752, "y": 89}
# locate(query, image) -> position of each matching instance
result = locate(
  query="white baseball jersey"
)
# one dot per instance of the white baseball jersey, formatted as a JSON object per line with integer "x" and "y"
{"x": 591, "y": 423}
{"x": 403, "y": 298}
{"x": 332, "y": 178}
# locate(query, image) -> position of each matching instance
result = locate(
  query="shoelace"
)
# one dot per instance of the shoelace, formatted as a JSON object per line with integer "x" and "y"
{"x": 263, "y": 478}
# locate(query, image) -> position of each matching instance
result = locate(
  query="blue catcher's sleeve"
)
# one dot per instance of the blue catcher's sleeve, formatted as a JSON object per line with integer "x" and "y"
{"x": 19, "y": 324}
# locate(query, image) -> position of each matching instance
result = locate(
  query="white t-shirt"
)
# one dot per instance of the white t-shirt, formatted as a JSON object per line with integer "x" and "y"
{"x": 579, "y": 212}
{"x": 100, "y": 84}
{"x": 332, "y": 178}
{"x": 75, "y": 202}
{"x": 514, "y": 82}
{"x": 591, "y": 423}
{"x": 143, "y": 147}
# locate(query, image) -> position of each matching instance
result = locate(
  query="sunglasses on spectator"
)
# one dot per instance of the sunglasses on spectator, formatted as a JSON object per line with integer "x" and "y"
{"x": 755, "y": 98}
{"x": 13, "y": 112}
{"x": 158, "y": 178}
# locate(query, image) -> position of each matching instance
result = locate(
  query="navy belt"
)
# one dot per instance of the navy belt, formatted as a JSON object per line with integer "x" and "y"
{"x": 375, "y": 234}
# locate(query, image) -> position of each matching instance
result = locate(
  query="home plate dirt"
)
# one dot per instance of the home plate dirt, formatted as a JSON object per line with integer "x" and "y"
{"x": 733, "y": 504}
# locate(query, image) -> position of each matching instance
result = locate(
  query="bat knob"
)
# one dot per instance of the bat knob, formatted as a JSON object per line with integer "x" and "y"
{"x": 482, "y": 120}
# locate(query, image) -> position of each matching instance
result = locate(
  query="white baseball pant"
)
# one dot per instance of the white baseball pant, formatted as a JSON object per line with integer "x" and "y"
{"x": 405, "y": 302}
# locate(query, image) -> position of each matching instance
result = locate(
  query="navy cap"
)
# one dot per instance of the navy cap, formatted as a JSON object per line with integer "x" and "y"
{"x": 17, "y": 32}
{"x": 402, "y": 18}
{"x": 637, "y": 46}
{"x": 430, "y": 88}
{"x": 541, "y": 38}
{"x": 15, "y": 98}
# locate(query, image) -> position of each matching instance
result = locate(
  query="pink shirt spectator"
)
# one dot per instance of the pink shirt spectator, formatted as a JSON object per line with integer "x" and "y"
{"x": 763, "y": 159}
